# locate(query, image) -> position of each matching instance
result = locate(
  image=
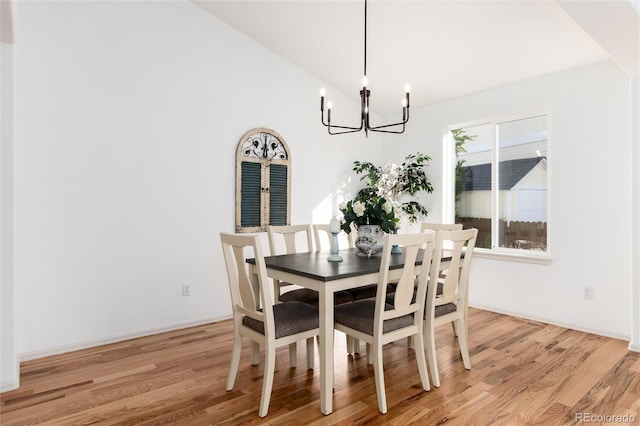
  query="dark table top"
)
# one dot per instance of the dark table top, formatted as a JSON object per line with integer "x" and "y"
{"x": 316, "y": 266}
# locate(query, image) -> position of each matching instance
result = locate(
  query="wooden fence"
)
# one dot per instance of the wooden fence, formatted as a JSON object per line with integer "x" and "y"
{"x": 523, "y": 235}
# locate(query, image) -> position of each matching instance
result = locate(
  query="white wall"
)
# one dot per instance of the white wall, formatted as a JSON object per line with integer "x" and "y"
{"x": 128, "y": 115}
{"x": 589, "y": 197}
{"x": 634, "y": 94}
{"x": 9, "y": 368}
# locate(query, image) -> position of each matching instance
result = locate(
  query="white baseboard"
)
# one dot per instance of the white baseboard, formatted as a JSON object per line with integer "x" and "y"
{"x": 28, "y": 356}
{"x": 9, "y": 385}
{"x": 551, "y": 322}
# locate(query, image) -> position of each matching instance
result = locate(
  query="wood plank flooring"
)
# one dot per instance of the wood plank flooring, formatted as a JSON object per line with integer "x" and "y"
{"x": 524, "y": 373}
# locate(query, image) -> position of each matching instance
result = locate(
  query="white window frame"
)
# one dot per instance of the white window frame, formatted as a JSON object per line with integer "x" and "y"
{"x": 449, "y": 162}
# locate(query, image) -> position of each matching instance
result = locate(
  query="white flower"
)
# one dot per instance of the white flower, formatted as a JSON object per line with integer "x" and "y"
{"x": 388, "y": 207}
{"x": 358, "y": 208}
{"x": 390, "y": 169}
{"x": 342, "y": 206}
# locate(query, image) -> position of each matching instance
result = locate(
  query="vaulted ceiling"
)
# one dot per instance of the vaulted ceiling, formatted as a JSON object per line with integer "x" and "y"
{"x": 443, "y": 49}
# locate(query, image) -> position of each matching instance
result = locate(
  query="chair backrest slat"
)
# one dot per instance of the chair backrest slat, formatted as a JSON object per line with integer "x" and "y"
{"x": 320, "y": 230}
{"x": 289, "y": 233}
{"x": 247, "y": 296}
{"x": 237, "y": 248}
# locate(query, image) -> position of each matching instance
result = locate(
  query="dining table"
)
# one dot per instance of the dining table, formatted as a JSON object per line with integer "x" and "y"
{"x": 313, "y": 270}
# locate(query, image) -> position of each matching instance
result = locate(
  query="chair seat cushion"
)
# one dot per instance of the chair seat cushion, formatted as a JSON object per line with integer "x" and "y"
{"x": 304, "y": 295}
{"x": 391, "y": 295}
{"x": 369, "y": 291}
{"x": 311, "y": 297}
{"x": 366, "y": 292}
{"x": 290, "y": 318}
{"x": 359, "y": 316}
{"x": 445, "y": 309}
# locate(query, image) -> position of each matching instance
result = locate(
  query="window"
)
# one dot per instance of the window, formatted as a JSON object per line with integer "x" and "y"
{"x": 501, "y": 182}
{"x": 263, "y": 181}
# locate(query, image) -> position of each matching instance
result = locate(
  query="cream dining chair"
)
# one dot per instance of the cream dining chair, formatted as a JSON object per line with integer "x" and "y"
{"x": 292, "y": 235}
{"x": 272, "y": 325}
{"x": 295, "y": 239}
{"x": 450, "y": 303}
{"x": 378, "y": 322}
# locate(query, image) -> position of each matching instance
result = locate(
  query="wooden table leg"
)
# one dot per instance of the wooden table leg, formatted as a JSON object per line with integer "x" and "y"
{"x": 326, "y": 350}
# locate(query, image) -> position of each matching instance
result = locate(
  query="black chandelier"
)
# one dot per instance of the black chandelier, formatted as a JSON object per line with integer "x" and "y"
{"x": 364, "y": 105}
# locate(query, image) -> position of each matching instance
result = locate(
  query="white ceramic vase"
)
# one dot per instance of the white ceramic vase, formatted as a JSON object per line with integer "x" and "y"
{"x": 370, "y": 240}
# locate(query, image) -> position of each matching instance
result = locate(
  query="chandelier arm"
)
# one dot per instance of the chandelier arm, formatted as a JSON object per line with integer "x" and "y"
{"x": 397, "y": 132}
{"x": 384, "y": 126}
{"x": 400, "y": 123}
{"x": 322, "y": 119}
{"x": 329, "y": 125}
{"x": 353, "y": 130}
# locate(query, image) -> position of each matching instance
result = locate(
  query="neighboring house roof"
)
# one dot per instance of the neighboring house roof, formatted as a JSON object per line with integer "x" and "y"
{"x": 478, "y": 178}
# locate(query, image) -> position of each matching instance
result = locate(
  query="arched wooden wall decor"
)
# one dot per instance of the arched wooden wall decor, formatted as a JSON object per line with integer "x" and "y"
{"x": 263, "y": 181}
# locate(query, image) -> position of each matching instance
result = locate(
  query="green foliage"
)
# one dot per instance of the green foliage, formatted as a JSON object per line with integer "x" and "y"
{"x": 460, "y": 137}
{"x": 392, "y": 182}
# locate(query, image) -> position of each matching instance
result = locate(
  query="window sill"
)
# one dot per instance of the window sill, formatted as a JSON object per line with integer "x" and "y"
{"x": 538, "y": 258}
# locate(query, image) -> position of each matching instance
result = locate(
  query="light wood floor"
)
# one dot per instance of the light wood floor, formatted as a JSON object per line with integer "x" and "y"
{"x": 523, "y": 373}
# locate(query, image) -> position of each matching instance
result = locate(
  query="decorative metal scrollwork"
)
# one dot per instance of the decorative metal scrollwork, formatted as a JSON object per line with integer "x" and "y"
{"x": 264, "y": 145}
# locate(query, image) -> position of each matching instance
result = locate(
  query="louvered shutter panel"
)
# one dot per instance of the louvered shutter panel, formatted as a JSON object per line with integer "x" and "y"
{"x": 250, "y": 205}
{"x": 278, "y": 190}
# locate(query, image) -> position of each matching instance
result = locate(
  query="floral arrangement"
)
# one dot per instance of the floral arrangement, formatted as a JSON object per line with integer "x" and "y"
{"x": 369, "y": 211}
{"x": 387, "y": 193}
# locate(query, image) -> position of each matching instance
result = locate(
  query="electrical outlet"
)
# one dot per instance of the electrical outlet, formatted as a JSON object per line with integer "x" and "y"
{"x": 588, "y": 293}
{"x": 186, "y": 290}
